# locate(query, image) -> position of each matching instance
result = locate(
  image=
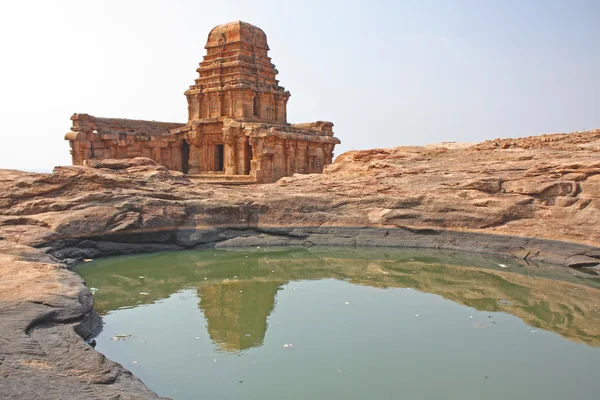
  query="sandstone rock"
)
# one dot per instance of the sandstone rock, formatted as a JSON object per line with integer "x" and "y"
{"x": 121, "y": 164}
{"x": 537, "y": 200}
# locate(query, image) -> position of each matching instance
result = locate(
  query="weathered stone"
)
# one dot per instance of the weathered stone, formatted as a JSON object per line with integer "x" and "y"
{"x": 449, "y": 197}
{"x": 120, "y": 164}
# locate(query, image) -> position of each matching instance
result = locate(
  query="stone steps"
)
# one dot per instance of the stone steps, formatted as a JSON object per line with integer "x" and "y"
{"x": 222, "y": 179}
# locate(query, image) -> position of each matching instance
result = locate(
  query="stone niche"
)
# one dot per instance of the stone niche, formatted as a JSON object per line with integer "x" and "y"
{"x": 237, "y": 125}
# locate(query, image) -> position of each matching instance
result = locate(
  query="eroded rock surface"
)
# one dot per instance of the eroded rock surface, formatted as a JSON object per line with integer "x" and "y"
{"x": 507, "y": 197}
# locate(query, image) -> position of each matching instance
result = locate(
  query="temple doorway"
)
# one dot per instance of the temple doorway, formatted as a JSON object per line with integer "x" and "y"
{"x": 248, "y": 158}
{"x": 185, "y": 157}
{"x": 219, "y": 157}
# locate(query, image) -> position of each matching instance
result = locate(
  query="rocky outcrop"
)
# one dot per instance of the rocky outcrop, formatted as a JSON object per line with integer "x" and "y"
{"x": 45, "y": 311}
{"x": 535, "y": 198}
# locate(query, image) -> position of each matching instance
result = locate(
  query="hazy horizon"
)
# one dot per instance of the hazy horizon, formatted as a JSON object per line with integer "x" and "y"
{"x": 386, "y": 73}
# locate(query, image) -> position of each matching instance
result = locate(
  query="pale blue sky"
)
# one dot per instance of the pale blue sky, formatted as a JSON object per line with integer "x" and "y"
{"x": 387, "y": 73}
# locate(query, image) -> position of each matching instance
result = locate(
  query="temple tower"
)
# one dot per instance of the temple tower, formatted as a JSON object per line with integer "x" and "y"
{"x": 237, "y": 78}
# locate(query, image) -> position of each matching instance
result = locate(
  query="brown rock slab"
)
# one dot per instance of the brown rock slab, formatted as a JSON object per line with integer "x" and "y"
{"x": 537, "y": 200}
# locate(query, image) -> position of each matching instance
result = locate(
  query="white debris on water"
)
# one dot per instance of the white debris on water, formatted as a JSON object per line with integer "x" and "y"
{"x": 121, "y": 336}
{"x": 503, "y": 265}
{"x": 287, "y": 345}
{"x": 347, "y": 302}
{"x": 144, "y": 293}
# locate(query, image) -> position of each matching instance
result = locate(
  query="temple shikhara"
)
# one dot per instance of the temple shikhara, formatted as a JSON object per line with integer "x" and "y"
{"x": 237, "y": 127}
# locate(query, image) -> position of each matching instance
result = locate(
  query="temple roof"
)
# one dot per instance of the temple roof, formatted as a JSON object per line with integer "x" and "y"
{"x": 237, "y": 31}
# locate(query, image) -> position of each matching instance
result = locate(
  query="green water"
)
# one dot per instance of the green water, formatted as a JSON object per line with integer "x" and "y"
{"x": 341, "y": 323}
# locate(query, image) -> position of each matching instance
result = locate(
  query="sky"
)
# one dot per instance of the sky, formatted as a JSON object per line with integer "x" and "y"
{"x": 386, "y": 73}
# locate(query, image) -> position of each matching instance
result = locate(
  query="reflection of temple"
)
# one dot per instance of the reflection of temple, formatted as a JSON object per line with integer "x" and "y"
{"x": 236, "y": 311}
{"x": 237, "y": 125}
{"x": 550, "y": 299}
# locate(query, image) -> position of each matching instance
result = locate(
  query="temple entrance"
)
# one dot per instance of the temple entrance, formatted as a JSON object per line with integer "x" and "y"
{"x": 248, "y": 158}
{"x": 185, "y": 157}
{"x": 219, "y": 157}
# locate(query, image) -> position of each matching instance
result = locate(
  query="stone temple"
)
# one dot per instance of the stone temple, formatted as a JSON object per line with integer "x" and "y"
{"x": 237, "y": 127}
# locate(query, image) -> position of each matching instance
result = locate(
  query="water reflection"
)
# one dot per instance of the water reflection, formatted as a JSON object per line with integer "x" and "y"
{"x": 237, "y": 289}
{"x": 236, "y": 311}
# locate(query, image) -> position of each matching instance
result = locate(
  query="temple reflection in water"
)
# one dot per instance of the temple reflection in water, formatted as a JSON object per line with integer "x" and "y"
{"x": 238, "y": 289}
{"x": 236, "y": 311}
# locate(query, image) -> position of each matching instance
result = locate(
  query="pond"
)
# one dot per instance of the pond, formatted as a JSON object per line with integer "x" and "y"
{"x": 346, "y": 323}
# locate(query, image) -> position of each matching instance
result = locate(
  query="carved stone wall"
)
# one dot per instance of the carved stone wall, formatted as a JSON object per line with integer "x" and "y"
{"x": 101, "y": 138}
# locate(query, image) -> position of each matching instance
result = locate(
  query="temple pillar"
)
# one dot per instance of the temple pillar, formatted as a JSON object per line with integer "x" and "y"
{"x": 156, "y": 154}
{"x": 176, "y": 156}
{"x": 290, "y": 152}
{"x": 195, "y": 139}
{"x": 241, "y": 155}
{"x": 79, "y": 146}
{"x": 302, "y": 158}
{"x": 279, "y": 159}
{"x": 315, "y": 152}
{"x": 255, "y": 163}
{"x": 328, "y": 153}
{"x": 230, "y": 156}
{"x": 78, "y": 150}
